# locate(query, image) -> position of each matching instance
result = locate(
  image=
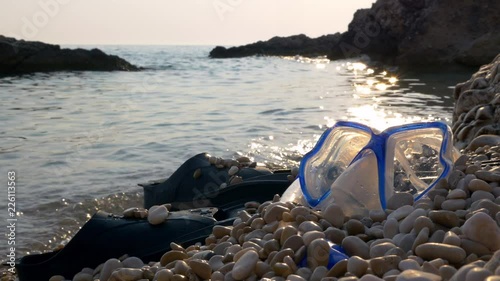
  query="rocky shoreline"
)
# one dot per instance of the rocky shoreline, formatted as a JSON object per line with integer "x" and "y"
{"x": 452, "y": 234}
{"x": 21, "y": 57}
{"x": 399, "y": 32}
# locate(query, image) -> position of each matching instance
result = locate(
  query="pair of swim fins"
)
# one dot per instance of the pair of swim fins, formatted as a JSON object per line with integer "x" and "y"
{"x": 200, "y": 203}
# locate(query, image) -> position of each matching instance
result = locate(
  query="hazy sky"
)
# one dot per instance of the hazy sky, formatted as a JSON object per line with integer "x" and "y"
{"x": 207, "y": 22}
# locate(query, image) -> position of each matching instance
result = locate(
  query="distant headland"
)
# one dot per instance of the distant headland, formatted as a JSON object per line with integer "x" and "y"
{"x": 20, "y": 57}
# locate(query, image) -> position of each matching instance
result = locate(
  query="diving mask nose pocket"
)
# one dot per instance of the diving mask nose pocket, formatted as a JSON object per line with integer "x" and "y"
{"x": 356, "y": 189}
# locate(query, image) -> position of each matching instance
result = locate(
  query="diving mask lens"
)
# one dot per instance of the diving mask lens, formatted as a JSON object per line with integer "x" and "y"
{"x": 416, "y": 161}
{"x": 334, "y": 152}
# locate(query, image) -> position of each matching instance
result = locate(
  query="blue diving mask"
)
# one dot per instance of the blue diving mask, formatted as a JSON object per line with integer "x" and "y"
{"x": 359, "y": 168}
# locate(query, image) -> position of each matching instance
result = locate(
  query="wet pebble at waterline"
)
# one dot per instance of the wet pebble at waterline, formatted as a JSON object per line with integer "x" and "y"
{"x": 427, "y": 240}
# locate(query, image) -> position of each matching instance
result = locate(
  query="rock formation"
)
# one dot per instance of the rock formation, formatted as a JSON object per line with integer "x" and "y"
{"x": 409, "y": 32}
{"x": 477, "y": 106}
{"x": 402, "y": 32}
{"x": 281, "y": 46}
{"x": 19, "y": 56}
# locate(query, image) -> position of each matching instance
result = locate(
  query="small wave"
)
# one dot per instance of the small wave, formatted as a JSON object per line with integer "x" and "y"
{"x": 271, "y": 111}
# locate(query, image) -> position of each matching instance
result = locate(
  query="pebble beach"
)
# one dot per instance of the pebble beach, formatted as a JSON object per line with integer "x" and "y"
{"x": 451, "y": 234}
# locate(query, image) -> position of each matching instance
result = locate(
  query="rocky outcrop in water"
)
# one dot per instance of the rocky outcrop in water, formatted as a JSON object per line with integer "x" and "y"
{"x": 402, "y": 32}
{"x": 477, "y": 107}
{"x": 19, "y": 56}
{"x": 281, "y": 46}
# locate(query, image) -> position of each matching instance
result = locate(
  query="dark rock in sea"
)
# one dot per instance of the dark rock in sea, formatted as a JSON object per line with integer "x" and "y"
{"x": 281, "y": 46}
{"x": 19, "y": 57}
{"x": 401, "y": 32}
{"x": 424, "y": 32}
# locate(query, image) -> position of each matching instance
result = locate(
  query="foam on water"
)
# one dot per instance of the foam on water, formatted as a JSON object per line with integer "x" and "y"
{"x": 81, "y": 141}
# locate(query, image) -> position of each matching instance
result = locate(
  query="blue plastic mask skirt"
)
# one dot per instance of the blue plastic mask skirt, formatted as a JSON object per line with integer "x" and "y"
{"x": 360, "y": 168}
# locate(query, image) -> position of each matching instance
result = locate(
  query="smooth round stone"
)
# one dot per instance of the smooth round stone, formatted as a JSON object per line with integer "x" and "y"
{"x": 478, "y": 184}
{"x": 274, "y": 245}
{"x": 451, "y": 238}
{"x": 457, "y": 194}
{"x": 472, "y": 247}
{"x": 338, "y": 269}
{"x": 127, "y": 274}
{"x": 287, "y": 232}
{"x": 354, "y": 227}
{"x": 262, "y": 268}
{"x": 171, "y": 256}
{"x": 130, "y": 212}
{"x": 220, "y": 231}
{"x": 157, "y": 214}
{"x": 483, "y": 140}
{"x": 380, "y": 249}
{"x": 421, "y": 222}
{"x": 278, "y": 257}
{"x": 216, "y": 262}
{"x": 354, "y": 246}
{"x": 494, "y": 263}
{"x": 201, "y": 268}
{"x": 368, "y": 277}
{"x": 334, "y": 215}
{"x": 233, "y": 170}
{"x": 407, "y": 223}
{"x": 399, "y": 199}
{"x": 282, "y": 269}
{"x": 492, "y": 207}
{"x": 318, "y": 253}
{"x": 357, "y": 266}
{"x": 488, "y": 176}
{"x": 82, "y": 276}
{"x": 244, "y": 267}
{"x": 401, "y": 212}
{"x": 430, "y": 268}
{"x": 422, "y": 237}
{"x": 447, "y": 271}
{"x": 480, "y": 194}
{"x": 335, "y": 235}
{"x": 216, "y": 276}
{"x": 407, "y": 264}
{"x": 391, "y": 228}
{"x": 430, "y": 251}
{"x": 376, "y": 232}
{"x": 57, "y": 278}
{"x": 240, "y": 254}
{"x": 179, "y": 277}
{"x": 483, "y": 229}
{"x": 309, "y": 226}
{"x": 377, "y": 215}
{"x": 445, "y": 218}
{"x": 300, "y": 211}
{"x": 132, "y": 262}
{"x": 477, "y": 274}
{"x": 454, "y": 177}
{"x": 453, "y": 204}
{"x": 407, "y": 241}
{"x": 108, "y": 268}
{"x": 381, "y": 265}
{"x": 318, "y": 273}
{"x": 310, "y": 236}
{"x": 220, "y": 249}
{"x": 417, "y": 275}
{"x": 274, "y": 212}
{"x": 295, "y": 277}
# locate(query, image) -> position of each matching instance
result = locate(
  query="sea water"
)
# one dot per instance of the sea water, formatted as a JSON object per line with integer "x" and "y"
{"x": 81, "y": 141}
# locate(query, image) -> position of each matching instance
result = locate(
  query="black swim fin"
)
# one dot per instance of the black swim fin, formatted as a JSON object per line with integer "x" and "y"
{"x": 107, "y": 236}
{"x": 184, "y": 191}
